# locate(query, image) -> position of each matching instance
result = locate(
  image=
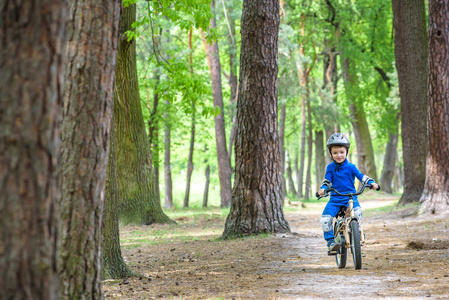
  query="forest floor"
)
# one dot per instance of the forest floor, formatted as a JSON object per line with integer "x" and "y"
{"x": 405, "y": 256}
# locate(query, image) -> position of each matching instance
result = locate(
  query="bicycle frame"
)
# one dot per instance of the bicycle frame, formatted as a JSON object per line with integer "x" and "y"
{"x": 349, "y": 215}
{"x": 345, "y": 228}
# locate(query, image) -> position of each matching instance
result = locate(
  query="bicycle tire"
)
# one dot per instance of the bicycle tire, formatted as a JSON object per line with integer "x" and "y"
{"x": 356, "y": 248}
{"x": 341, "y": 256}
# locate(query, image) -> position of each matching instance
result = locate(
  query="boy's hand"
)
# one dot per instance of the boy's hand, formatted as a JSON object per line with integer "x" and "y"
{"x": 321, "y": 192}
{"x": 375, "y": 186}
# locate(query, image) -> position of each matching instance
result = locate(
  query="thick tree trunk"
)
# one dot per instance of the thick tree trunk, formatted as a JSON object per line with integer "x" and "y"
{"x": 224, "y": 164}
{"x": 192, "y": 132}
{"x": 32, "y": 41}
{"x": 137, "y": 191}
{"x": 435, "y": 197}
{"x": 85, "y": 143}
{"x": 113, "y": 264}
{"x": 386, "y": 178}
{"x": 320, "y": 166}
{"x": 409, "y": 20}
{"x": 282, "y": 150}
{"x": 365, "y": 152}
{"x": 256, "y": 196}
{"x": 167, "y": 164}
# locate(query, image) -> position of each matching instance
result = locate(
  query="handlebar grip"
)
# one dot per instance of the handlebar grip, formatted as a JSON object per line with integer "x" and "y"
{"x": 378, "y": 189}
{"x": 317, "y": 195}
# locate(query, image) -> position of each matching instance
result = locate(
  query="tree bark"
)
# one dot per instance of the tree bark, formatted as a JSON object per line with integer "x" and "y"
{"x": 309, "y": 141}
{"x": 224, "y": 164}
{"x": 409, "y": 21}
{"x": 320, "y": 164}
{"x": 32, "y": 41}
{"x": 435, "y": 197}
{"x": 302, "y": 83}
{"x": 113, "y": 264}
{"x": 89, "y": 96}
{"x": 232, "y": 78}
{"x": 207, "y": 182}
{"x": 153, "y": 127}
{"x": 167, "y": 164}
{"x": 386, "y": 178}
{"x": 365, "y": 152}
{"x": 192, "y": 133}
{"x": 137, "y": 191}
{"x": 282, "y": 150}
{"x": 291, "y": 184}
{"x": 256, "y": 196}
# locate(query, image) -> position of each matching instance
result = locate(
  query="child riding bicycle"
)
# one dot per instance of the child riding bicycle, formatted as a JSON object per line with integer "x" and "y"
{"x": 340, "y": 174}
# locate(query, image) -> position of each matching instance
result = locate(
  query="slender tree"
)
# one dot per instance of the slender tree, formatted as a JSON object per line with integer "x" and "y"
{"x": 88, "y": 100}
{"x": 389, "y": 166}
{"x": 282, "y": 149}
{"x": 32, "y": 41}
{"x": 153, "y": 127}
{"x": 224, "y": 164}
{"x": 319, "y": 158}
{"x": 409, "y": 22}
{"x": 167, "y": 159}
{"x": 192, "y": 131}
{"x": 256, "y": 196}
{"x": 435, "y": 197}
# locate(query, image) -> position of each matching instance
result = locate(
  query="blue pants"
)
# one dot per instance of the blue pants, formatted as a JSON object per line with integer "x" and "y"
{"x": 330, "y": 211}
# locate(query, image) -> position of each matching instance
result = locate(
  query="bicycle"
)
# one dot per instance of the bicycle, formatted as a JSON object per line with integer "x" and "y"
{"x": 348, "y": 230}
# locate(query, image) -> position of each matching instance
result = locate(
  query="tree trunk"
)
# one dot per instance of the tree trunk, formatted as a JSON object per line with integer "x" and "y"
{"x": 224, "y": 164}
{"x": 137, "y": 191}
{"x": 365, "y": 152}
{"x": 320, "y": 165}
{"x": 302, "y": 69}
{"x": 409, "y": 20}
{"x": 309, "y": 142}
{"x": 85, "y": 144}
{"x": 192, "y": 133}
{"x": 167, "y": 163}
{"x": 153, "y": 127}
{"x": 206, "y": 186}
{"x": 113, "y": 264}
{"x": 232, "y": 79}
{"x": 386, "y": 179}
{"x": 32, "y": 41}
{"x": 256, "y": 196}
{"x": 291, "y": 184}
{"x": 282, "y": 150}
{"x": 435, "y": 197}
{"x": 207, "y": 182}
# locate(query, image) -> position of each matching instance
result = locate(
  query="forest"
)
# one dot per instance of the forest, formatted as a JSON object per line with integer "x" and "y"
{"x": 173, "y": 148}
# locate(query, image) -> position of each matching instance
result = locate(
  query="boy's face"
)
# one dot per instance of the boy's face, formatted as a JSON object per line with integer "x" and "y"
{"x": 338, "y": 154}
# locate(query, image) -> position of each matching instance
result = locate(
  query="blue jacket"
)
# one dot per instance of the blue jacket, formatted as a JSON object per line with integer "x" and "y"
{"x": 343, "y": 177}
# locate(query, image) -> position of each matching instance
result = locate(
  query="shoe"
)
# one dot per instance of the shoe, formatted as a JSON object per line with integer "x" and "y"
{"x": 333, "y": 246}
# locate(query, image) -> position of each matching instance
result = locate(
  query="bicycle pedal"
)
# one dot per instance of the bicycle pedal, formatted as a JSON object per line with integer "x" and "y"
{"x": 331, "y": 253}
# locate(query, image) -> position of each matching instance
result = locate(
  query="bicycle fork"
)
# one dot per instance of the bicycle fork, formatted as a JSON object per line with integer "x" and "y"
{"x": 349, "y": 217}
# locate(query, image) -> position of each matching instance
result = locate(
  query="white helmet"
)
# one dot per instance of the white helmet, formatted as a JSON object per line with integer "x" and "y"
{"x": 338, "y": 139}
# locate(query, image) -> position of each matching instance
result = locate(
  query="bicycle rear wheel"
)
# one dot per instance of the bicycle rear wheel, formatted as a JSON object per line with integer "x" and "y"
{"x": 356, "y": 249}
{"x": 341, "y": 256}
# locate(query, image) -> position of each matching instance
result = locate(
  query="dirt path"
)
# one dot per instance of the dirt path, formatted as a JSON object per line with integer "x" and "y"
{"x": 189, "y": 262}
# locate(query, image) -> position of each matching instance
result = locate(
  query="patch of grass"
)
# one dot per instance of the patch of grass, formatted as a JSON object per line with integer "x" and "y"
{"x": 387, "y": 209}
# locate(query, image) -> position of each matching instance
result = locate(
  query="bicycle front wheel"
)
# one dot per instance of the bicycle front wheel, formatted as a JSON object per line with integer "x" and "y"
{"x": 341, "y": 256}
{"x": 356, "y": 248}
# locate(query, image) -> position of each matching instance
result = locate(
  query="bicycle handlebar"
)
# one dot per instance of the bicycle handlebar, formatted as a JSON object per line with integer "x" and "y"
{"x": 327, "y": 192}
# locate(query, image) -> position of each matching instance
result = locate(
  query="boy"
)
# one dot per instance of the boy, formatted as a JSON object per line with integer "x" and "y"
{"x": 340, "y": 175}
